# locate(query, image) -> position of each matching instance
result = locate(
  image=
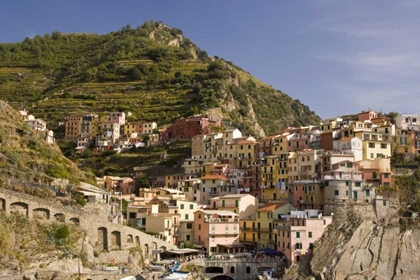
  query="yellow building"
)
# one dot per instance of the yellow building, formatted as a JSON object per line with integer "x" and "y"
{"x": 265, "y": 222}
{"x": 248, "y": 230}
{"x": 376, "y": 149}
{"x": 246, "y": 153}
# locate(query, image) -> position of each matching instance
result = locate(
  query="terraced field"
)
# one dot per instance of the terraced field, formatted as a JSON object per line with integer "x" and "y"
{"x": 135, "y": 70}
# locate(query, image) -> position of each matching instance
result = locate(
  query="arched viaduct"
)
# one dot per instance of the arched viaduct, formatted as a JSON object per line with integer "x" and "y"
{"x": 105, "y": 235}
{"x": 243, "y": 269}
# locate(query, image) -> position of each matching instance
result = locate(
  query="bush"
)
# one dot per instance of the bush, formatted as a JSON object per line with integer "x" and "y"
{"x": 81, "y": 201}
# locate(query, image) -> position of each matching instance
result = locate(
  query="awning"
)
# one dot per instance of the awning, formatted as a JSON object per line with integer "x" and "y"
{"x": 232, "y": 245}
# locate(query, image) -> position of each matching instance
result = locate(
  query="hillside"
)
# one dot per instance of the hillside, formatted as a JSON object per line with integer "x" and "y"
{"x": 152, "y": 71}
{"x": 25, "y": 158}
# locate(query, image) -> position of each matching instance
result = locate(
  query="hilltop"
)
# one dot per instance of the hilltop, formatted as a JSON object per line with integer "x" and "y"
{"x": 152, "y": 71}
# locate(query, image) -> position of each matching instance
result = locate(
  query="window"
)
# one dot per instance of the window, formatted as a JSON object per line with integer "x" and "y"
{"x": 258, "y": 215}
{"x": 199, "y": 226}
{"x": 223, "y": 203}
{"x": 349, "y": 165}
{"x": 310, "y": 234}
{"x": 384, "y": 145}
{"x": 189, "y": 225}
{"x": 188, "y": 237}
{"x": 232, "y": 269}
{"x": 371, "y": 145}
{"x": 358, "y": 184}
{"x": 186, "y": 216}
{"x": 386, "y": 175}
{"x": 298, "y": 246}
{"x": 199, "y": 216}
{"x": 191, "y": 206}
{"x": 325, "y": 222}
{"x": 236, "y": 203}
{"x": 347, "y": 183}
{"x": 336, "y": 192}
{"x": 248, "y": 269}
{"x": 182, "y": 206}
{"x": 297, "y": 234}
{"x": 367, "y": 192}
{"x": 384, "y": 203}
{"x": 132, "y": 215}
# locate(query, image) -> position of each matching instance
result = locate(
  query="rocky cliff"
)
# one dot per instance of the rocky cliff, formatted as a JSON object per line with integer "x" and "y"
{"x": 384, "y": 246}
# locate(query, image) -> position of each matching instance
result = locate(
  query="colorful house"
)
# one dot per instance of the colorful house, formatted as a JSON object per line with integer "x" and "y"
{"x": 217, "y": 231}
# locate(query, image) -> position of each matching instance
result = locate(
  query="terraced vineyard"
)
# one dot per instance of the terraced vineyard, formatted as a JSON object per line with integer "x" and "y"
{"x": 138, "y": 71}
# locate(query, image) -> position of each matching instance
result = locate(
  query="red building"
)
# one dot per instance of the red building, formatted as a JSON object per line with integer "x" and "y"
{"x": 186, "y": 128}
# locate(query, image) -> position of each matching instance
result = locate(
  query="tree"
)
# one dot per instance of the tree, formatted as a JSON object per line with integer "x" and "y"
{"x": 135, "y": 74}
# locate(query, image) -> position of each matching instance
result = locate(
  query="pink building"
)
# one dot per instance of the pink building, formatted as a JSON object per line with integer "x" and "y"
{"x": 367, "y": 115}
{"x": 186, "y": 128}
{"x": 298, "y": 232}
{"x": 217, "y": 231}
{"x": 126, "y": 186}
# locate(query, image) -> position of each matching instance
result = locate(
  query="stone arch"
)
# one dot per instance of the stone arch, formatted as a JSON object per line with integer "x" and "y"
{"x": 2, "y": 204}
{"x": 75, "y": 221}
{"x": 163, "y": 248}
{"x": 146, "y": 250}
{"x": 19, "y": 208}
{"x": 130, "y": 239}
{"x": 154, "y": 246}
{"x": 102, "y": 238}
{"x": 137, "y": 241}
{"x": 115, "y": 240}
{"x": 41, "y": 213}
{"x": 60, "y": 217}
{"x": 214, "y": 269}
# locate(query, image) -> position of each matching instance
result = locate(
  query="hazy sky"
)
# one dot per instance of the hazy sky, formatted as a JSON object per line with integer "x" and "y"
{"x": 338, "y": 57}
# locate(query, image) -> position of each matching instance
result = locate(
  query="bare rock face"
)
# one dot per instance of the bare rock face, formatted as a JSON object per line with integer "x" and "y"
{"x": 372, "y": 252}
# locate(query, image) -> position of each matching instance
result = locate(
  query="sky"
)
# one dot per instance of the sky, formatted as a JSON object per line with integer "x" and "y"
{"x": 338, "y": 57}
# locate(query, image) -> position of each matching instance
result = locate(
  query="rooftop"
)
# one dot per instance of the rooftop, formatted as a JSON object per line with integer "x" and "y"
{"x": 270, "y": 207}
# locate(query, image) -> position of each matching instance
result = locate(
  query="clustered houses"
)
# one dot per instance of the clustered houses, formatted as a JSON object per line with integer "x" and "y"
{"x": 237, "y": 193}
{"x": 112, "y": 131}
{"x": 38, "y": 125}
{"x": 109, "y": 131}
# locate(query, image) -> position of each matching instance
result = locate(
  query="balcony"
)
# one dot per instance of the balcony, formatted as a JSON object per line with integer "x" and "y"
{"x": 264, "y": 230}
{"x": 213, "y": 193}
{"x": 221, "y": 220}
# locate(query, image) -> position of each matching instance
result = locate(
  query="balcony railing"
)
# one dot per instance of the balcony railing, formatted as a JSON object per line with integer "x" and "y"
{"x": 264, "y": 230}
{"x": 222, "y": 220}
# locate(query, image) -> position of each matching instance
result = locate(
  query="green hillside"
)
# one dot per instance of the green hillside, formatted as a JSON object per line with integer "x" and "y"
{"x": 152, "y": 71}
{"x": 25, "y": 158}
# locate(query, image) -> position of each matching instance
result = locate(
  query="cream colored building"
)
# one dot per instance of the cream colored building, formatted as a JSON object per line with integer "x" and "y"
{"x": 242, "y": 204}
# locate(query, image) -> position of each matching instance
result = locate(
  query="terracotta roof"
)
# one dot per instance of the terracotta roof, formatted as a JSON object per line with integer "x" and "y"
{"x": 214, "y": 177}
{"x": 270, "y": 207}
{"x": 345, "y": 139}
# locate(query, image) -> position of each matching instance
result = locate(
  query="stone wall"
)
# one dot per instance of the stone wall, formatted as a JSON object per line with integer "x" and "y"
{"x": 101, "y": 237}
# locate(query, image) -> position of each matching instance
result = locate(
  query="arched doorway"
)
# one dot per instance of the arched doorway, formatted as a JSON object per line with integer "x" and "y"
{"x": 102, "y": 239}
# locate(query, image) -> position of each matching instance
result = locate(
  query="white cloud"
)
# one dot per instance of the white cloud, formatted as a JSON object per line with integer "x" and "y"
{"x": 379, "y": 50}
